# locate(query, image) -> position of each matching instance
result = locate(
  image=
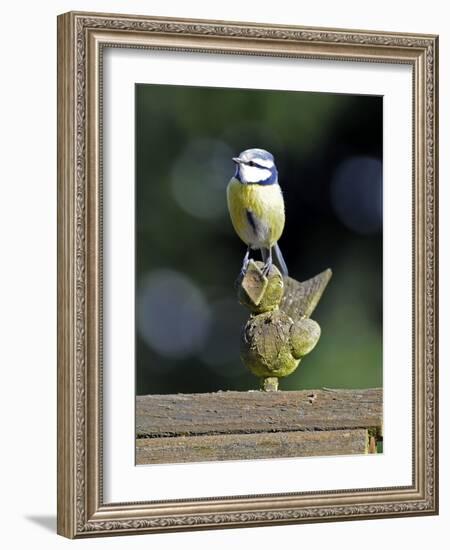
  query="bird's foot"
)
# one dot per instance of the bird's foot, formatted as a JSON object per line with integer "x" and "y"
{"x": 245, "y": 264}
{"x": 244, "y": 268}
{"x": 267, "y": 267}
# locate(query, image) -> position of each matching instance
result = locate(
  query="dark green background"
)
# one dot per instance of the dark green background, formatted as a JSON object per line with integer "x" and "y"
{"x": 328, "y": 150}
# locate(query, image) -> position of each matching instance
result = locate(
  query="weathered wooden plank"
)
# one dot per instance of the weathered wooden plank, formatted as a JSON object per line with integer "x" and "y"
{"x": 250, "y": 446}
{"x": 257, "y": 412}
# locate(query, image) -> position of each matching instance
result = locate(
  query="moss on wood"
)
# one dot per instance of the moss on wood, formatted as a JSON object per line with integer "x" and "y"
{"x": 279, "y": 332}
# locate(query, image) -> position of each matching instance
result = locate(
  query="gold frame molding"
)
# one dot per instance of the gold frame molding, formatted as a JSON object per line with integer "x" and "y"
{"x": 81, "y": 39}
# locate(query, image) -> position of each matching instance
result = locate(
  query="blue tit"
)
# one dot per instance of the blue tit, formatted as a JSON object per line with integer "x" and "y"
{"x": 256, "y": 206}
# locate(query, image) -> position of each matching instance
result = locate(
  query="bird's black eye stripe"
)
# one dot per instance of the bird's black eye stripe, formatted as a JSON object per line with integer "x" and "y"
{"x": 253, "y": 163}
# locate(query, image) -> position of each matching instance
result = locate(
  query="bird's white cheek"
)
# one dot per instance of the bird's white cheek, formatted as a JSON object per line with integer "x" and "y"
{"x": 253, "y": 174}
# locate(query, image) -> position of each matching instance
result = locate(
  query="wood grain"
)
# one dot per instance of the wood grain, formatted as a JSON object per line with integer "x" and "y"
{"x": 250, "y": 446}
{"x": 301, "y": 299}
{"x": 257, "y": 412}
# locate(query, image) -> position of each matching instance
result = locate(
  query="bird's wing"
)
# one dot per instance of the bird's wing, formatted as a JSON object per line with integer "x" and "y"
{"x": 259, "y": 228}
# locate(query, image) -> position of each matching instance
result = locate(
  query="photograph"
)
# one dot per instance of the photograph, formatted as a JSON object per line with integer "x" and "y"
{"x": 259, "y": 265}
{"x": 247, "y": 274}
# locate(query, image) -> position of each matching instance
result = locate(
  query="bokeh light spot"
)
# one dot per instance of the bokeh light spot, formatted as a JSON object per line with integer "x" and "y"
{"x": 172, "y": 316}
{"x": 200, "y": 176}
{"x": 357, "y": 194}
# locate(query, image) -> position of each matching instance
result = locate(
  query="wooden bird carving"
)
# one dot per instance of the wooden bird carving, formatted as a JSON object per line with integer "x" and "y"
{"x": 279, "y": 331}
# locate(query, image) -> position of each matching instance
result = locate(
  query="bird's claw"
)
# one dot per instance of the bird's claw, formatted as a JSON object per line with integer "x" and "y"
{"x": 244, "y": 268}
{"x": 266, "y": 269}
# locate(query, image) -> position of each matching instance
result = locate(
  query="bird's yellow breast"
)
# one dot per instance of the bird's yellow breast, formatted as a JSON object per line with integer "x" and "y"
{"x": 257, "y": 212}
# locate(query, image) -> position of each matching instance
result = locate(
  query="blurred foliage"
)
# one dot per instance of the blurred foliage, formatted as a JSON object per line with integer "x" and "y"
{"x": 188, "y": 256}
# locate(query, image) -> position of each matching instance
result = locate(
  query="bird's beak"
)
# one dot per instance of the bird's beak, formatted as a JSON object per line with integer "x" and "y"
{"x": 237, "y": 160}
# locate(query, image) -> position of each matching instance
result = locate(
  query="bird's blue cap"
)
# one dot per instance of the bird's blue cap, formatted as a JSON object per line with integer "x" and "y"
{"x": 259, "y": 158}
{"x": 251, "y": 154}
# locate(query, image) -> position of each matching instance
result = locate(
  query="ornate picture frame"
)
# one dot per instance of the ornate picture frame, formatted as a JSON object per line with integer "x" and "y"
{"x": 82, "y": 510}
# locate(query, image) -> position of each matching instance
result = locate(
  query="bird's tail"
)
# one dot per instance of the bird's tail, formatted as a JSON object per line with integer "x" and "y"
{"x": 280, "y": 260}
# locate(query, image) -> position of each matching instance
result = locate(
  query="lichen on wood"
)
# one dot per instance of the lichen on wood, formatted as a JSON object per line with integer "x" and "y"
{"x": 279, "y": 332}
{"x": 258, "y": 292}
{"x": 305, "y": 334}
{"x": 266, "y": 347}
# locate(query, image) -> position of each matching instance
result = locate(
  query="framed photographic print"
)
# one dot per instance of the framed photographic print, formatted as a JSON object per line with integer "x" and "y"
{"x": 247, "y": 284}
